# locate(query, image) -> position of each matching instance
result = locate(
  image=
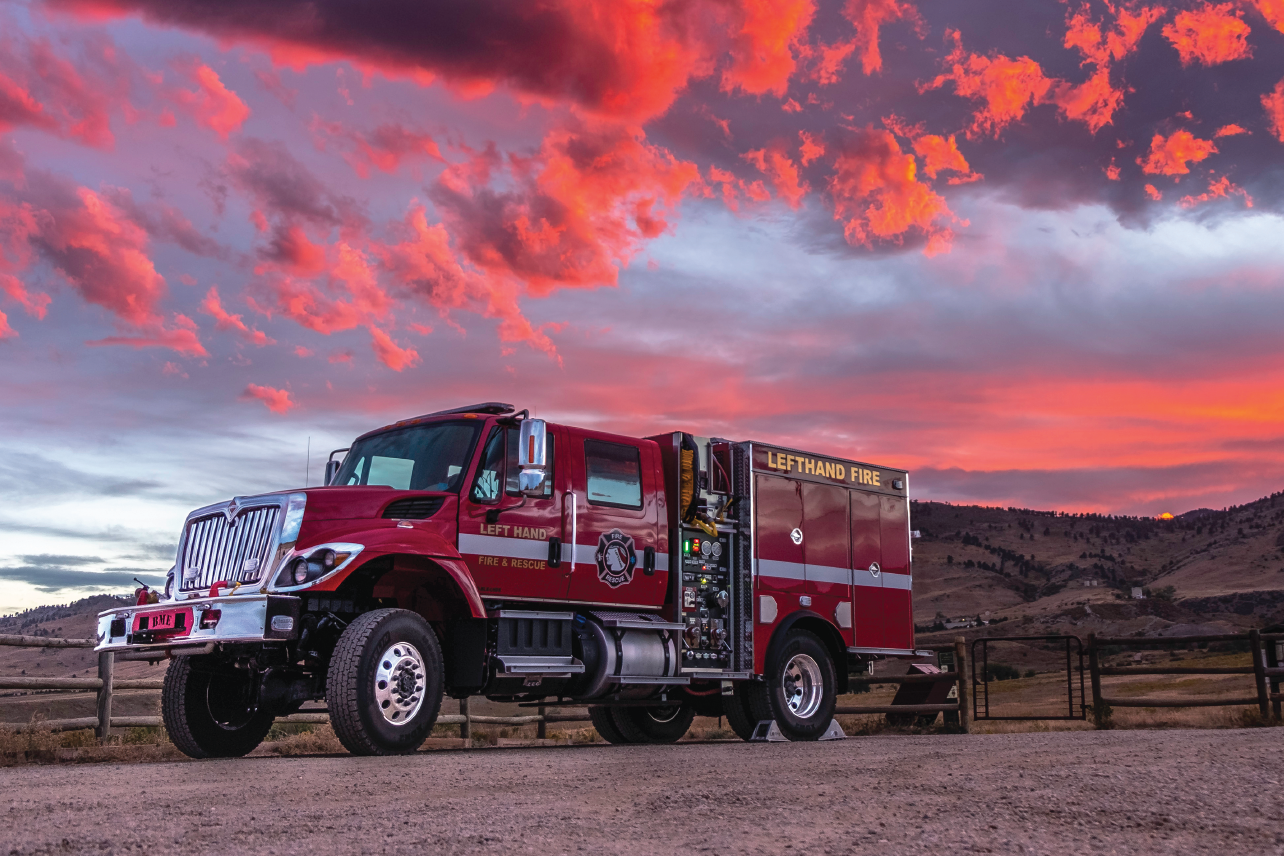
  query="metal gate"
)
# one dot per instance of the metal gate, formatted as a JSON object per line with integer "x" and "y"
{"x": 1075, "y": 709}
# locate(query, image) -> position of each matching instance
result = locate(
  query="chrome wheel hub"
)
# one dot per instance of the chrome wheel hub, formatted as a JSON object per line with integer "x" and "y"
{"x": 803, "y": 686}
{"x": 399, "y": 683}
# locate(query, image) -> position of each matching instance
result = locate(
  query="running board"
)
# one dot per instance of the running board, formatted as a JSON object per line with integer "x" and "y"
{"x": 648, "y": 679}
{"x": 636, "y": 621}
{"x": 549, "y": 667}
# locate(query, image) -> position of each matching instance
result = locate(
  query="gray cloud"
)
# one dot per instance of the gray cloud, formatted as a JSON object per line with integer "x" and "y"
{"x": 51, "y": 579}
{"x": 33, "y": 477}
{"x": 46, "y": 560}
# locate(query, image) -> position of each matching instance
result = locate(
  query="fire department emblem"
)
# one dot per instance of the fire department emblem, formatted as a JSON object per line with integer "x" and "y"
{"x": 616, "y": 558}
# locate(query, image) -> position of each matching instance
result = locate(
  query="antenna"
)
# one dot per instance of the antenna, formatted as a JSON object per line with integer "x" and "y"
{"x": 307, "y": 469}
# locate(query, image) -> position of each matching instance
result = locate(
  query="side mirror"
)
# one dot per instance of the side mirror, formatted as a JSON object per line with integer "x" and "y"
{"x": 532, "y": 456}
{"x": 331, "y": 470}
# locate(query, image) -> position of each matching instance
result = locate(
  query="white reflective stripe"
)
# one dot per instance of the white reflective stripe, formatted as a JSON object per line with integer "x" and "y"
{"x": 509, "y": 548}
{"x": 826, "y": 574}
{"x": 524, "y": 548}
{"x": 782, "y": 570}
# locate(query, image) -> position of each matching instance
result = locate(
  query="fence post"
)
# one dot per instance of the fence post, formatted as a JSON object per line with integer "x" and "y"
{"x": 1259, "y": 672}
{"x": 541, "y": 730}
{"x": 1094, "y": 671}
{"x": 106, "y": 661}
{"x": 465, "y": 727}
{"x": 960, "y": 663}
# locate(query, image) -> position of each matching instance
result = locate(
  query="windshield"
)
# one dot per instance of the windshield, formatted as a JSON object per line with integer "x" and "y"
{"x": 422, "y": 457}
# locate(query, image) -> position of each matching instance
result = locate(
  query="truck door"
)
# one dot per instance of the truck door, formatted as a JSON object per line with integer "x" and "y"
{"x": 503, "y": 535}
{"x": 867, "y": 571}
{"x": 778, "y": 513}
{"x": 826, "y": 552}
{"x": 898, "y": 616}
{"x": 613, "y": 505}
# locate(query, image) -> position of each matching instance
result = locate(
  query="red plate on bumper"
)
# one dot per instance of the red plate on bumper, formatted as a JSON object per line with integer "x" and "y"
{"x": 167, "y": 621}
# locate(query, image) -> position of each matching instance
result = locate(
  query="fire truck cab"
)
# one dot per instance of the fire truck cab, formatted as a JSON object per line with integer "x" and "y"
{"x": 479, "y": 551}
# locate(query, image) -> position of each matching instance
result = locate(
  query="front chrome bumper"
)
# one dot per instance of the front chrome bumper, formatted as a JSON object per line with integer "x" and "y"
{"x": 241, "y": 618}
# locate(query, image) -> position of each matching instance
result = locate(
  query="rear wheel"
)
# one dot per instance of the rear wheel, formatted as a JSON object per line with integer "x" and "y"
{"x": 746, "y": 707}
{"x": 605, "y": 724}
{"x": 801, "y": 686}
{"x": 211, "y": 710}
{"x": 653, "y": 724}
{"x": 384, "y": 686}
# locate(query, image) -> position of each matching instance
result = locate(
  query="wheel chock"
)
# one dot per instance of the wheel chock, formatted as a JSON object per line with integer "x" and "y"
{"x": 834, "y": 731}
{"x": 767, "y": 731}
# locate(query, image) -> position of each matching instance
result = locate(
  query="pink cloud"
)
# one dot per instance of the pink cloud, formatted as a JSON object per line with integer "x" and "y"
{"x": 276, "y": 400}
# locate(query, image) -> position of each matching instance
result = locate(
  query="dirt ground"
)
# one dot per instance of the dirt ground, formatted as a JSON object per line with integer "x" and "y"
{"x": 1179, "y": 791}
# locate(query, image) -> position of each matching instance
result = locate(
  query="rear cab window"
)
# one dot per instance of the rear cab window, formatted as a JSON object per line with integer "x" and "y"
{"x": 614, "y": 474}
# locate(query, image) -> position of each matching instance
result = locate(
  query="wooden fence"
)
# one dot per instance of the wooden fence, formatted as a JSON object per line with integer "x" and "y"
{"x": 105, "y": 685}
{"x": 1266, "y": 675}
{"x": 1265, "y": 669}
{"x": 959, "y": 706}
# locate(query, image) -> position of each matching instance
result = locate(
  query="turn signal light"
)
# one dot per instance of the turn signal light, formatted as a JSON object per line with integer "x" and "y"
{"x": 210, "y": 617}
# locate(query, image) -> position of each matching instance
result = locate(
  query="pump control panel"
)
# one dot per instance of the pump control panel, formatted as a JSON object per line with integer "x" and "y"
{"x": 706, "y": 600}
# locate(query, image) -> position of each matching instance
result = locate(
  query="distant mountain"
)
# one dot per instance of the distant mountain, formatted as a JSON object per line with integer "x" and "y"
{"x": 1205, "y": 566}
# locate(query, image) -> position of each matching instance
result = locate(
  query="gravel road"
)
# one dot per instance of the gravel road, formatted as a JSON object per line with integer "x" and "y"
{"x": 1056, "y": 793}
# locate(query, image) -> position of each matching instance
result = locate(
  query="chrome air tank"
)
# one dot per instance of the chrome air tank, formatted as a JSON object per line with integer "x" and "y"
{"x": 626, "y": 659}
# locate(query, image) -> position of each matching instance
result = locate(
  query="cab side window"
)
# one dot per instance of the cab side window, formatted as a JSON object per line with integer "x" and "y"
{"x": 614, "y": 474}
{"x": 490, "y": 472}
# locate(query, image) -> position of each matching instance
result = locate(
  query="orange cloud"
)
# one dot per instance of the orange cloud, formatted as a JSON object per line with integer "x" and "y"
{"x": 1154, "y": 192}
{"x": 384, "y": 148}
{"x": 1273, "y": 103}
{"x": 1102, "y": 47}
{"x": 763, "y": 45}
{"x": 1092, "y": 102}
{"x": 211, "y": 104}
{"x": 781, "y": 171}
{"x": 1231, "y": 131}
{"x": 1272, "y": 11}
{"x": 877, "y": 194}
{"x": 868, "y": 16}
{"x": 1173, "y": 154}
{"x": 829, "y": 61}
{"x": 277, "y": 400}
{"x": 223, "y": 320}
{"x": 1007, "y": 87}
{"x": 390, "y": 353}
{"x": 1209, "y": 35}
{"x": 1222, "y": 188}
{"x": 810, "y": 149}
{"x": 940, "y": 154}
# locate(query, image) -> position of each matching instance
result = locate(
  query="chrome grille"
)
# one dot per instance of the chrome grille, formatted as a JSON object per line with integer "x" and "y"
{"x": 220, "y": 549}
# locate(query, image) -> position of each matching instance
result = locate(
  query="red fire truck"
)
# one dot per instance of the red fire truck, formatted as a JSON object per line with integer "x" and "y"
{"x": 479, "y": 551}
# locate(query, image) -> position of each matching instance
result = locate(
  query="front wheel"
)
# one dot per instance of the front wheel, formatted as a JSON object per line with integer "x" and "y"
{"x": 384, "y": 686}
{"x": 801, "y": 686}
{"x": 211, "y": 710}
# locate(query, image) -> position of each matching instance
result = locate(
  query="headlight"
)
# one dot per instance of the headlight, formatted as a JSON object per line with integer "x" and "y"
{"x": 322, "y": 561}
{"x": 169, "y": 584}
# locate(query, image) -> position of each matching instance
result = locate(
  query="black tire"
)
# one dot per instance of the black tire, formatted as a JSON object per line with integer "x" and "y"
{"x": 653, "y": 724}
{"x": 210, "y": 710}
{"x": 605, "y": 724}
{"x": 746, "y": 707}
{"x": 802, "y": 663}
{"x": 385, "y": 643}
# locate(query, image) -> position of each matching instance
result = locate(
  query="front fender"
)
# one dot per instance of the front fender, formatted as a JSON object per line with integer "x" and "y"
{"x": 424, "y": 543}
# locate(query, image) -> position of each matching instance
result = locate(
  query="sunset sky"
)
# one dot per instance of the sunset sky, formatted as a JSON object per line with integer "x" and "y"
{"x": 1029, "y": 250}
